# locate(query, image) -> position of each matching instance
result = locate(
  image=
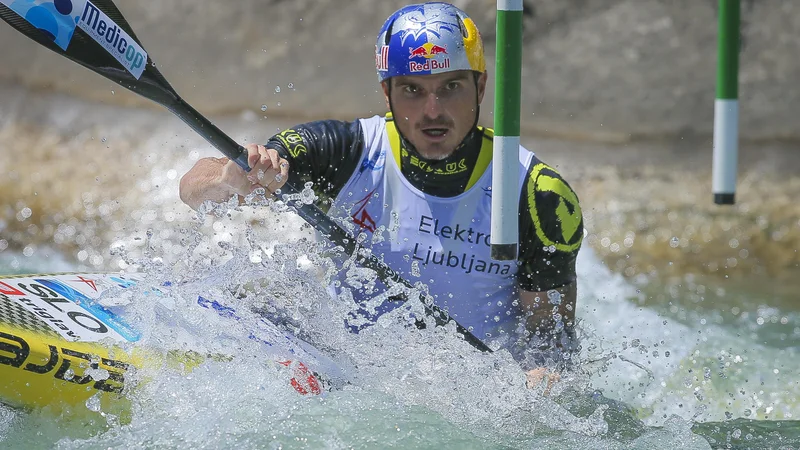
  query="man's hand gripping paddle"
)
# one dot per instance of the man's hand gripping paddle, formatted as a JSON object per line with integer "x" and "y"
{"x": 94, "y": 34}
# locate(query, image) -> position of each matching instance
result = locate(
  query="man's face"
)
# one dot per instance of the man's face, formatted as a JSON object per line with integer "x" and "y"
{"x": 435, "y": 112}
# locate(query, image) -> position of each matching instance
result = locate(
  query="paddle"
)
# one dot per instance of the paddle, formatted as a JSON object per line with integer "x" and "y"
{"x": 96, "y": 35}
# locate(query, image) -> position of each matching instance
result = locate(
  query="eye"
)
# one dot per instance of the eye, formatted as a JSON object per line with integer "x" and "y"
{"x": 453, "y": 85}
{"x": 410, "y": 89}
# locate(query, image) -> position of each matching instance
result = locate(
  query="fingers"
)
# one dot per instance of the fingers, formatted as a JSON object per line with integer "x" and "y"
{"x": 253, "y": 154}
{"x": 535, "y": 376}
{"x": 552, "y": 379}
{"x": 267, "y": 168}
{"x": 284, "y": 170}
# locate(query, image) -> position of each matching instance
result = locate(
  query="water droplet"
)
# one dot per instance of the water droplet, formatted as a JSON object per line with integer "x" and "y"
{"x": 308, "y": 196}
{"x": 263, "y": 107}
{"x": 291, "y": 86}
{"x": 277, "y": 89}
{"x": 674, "y": 242}
{"x": 415, "y": 269}
{"x": 93, "y": 403}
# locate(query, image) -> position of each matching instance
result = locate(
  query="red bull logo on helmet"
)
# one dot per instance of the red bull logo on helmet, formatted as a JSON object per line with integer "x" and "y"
{"x": 428, "y": 51}
{"x": 382, "y": 57}
{"x": 430, "y": 64}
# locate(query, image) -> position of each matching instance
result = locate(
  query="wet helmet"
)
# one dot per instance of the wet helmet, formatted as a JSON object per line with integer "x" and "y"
{"x": 428, "y": 38}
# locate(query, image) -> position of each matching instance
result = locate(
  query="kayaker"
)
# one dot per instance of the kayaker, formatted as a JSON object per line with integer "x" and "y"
{"x": 419, "y": 178}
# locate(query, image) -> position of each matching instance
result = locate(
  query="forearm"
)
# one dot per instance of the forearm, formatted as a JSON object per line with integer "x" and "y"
{"x": 549, "y": 312}
{"x": 202, "y": 182}
{"x": 550, "y": 333}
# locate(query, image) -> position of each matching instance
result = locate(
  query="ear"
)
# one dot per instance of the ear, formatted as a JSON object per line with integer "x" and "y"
{"x": 482, "y": 85}
{"x": 385, "y": 87}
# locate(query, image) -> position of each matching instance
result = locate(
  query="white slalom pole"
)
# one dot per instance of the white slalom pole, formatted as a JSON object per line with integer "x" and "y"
{"x": 505, "y": 159}
{"x": 726, "y": 106}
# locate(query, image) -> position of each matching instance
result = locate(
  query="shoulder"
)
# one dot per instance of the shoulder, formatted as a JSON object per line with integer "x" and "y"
{"x": 553, "y": 207}
{"x": 374, "y": 129}
{"x": 376, "y": 121}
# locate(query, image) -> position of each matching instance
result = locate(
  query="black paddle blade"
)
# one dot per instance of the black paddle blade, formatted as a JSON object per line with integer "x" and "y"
{"x": 94, "y": 34}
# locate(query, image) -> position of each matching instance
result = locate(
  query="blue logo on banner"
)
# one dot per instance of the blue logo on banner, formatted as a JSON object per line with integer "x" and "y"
{"x": 98, "y": 311}
{"x": 57, "y": 19}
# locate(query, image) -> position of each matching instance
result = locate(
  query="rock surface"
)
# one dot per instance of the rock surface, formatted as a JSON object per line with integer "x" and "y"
{"x": 606, "y": 70}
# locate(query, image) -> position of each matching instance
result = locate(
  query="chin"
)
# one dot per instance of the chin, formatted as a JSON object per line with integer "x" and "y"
{"x": 436, "y": 156}
{"x": 436, "y": 151}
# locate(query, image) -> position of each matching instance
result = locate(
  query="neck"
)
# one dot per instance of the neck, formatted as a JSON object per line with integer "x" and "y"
{"x": 444, "y": 177}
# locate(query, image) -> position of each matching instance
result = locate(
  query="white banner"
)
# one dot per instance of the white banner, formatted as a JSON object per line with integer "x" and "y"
{"x": 113, "y": 38}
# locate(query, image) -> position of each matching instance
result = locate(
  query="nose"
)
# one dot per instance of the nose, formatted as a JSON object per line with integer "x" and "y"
{"x": 433, "y": 106}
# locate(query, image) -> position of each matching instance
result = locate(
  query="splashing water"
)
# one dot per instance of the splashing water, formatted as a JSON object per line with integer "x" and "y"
{"x": 395, "y": 385}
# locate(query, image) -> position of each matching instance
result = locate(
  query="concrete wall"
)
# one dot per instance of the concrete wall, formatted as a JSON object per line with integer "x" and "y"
{"x": 596, "y": 69}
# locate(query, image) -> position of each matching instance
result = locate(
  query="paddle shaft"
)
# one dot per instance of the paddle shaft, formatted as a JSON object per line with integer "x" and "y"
{"x": 313, "y": 215}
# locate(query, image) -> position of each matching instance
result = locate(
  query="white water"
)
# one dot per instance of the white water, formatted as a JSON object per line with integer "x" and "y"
{"x": 408, "y": 388}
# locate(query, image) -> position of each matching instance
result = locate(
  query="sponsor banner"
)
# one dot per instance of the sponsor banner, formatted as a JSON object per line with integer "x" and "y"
{"x": 81, "y": 366}
{"x": 58, "y": 19}
{"x": 57, "y": 302}
{"x": 113, "y": 38}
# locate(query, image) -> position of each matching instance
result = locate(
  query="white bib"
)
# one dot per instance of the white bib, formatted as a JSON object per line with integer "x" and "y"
{"x": 443, "y": 242}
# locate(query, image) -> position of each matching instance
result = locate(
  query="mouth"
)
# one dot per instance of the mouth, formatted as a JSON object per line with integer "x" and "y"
{"x": 435, "y": 132}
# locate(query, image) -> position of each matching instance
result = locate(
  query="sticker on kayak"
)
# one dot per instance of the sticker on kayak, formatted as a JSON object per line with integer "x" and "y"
{"x": 59, "y": 18}
{"x": 71, "y": 314}
{"x": 55, "y": 18}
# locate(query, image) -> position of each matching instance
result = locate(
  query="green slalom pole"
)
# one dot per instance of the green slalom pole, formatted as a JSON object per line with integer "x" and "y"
{"x": 505, "y": 159}
{"x": 726, "y": 105}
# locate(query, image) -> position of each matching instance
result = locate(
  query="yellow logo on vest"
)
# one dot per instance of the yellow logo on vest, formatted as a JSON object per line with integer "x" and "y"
{"x": 567, "y": 209}
{"x": 293, "y": 142}
{"x": 449, "y": 169}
